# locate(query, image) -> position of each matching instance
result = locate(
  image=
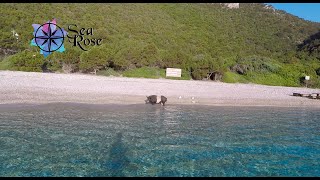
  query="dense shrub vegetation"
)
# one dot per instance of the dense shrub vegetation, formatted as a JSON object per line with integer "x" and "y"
{"x": 249, "y": 44}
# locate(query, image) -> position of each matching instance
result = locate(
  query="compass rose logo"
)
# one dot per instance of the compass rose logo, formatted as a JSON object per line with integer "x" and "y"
{"x": 48, "y": 37}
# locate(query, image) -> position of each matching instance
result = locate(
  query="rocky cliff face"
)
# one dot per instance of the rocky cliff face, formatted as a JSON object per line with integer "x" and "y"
{"x": 231, "y": 5}
{"x": 237, "y": 5}
{"x": 269, "y": 7}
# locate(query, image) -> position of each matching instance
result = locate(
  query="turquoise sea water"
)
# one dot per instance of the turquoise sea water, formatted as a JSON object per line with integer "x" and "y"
{"x": 145, "y": 140}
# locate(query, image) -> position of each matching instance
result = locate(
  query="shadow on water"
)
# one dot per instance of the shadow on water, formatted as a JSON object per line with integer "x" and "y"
{"x": 117, "y": 160}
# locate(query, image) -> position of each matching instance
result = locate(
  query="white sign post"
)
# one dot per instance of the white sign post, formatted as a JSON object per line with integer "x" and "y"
{"x": 307, "y": 78}
{"x": 173, "y": 72}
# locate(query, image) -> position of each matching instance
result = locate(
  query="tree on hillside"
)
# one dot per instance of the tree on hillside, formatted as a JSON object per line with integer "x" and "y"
{"x": 26, "y": 61}
{"x": 311, "y": 45}
{"x": 68, "y": 60}
{"x": 93, "y": 60}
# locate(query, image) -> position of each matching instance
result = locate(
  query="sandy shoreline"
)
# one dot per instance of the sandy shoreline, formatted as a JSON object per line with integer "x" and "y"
{"x": 38, "y": 88}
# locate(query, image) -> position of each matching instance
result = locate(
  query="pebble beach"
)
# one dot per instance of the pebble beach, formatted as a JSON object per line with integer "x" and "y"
{"x": 37, "y": 88}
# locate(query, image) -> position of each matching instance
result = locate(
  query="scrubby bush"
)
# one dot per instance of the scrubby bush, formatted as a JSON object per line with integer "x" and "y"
{"x": 171, "y": 58}
{"x": 5, "y": 64}
{"x": 26, "y": 61}
{"x": 318, "y": 71}
{"x": 150, "y": 56}
{"x": 93, "y": 60}
{"x": 316, "y": 83}
{"x": 256, "y": 64}
{"x": 133, "y": 53}
{"x": 231, "y": 77}
{"x": 202, "y": 64}
{"x": 68, "y": 61}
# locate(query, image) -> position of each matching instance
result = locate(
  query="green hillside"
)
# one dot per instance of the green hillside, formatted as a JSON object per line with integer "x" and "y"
{"x": 249, "y": 44}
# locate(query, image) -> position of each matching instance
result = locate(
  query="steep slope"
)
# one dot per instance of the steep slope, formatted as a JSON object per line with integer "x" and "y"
{"x": 311, "y": 46}
{"x": 195, "y": 37}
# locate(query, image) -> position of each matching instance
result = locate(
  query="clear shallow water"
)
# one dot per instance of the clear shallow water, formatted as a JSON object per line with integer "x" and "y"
{"x": 145, "y": 140}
